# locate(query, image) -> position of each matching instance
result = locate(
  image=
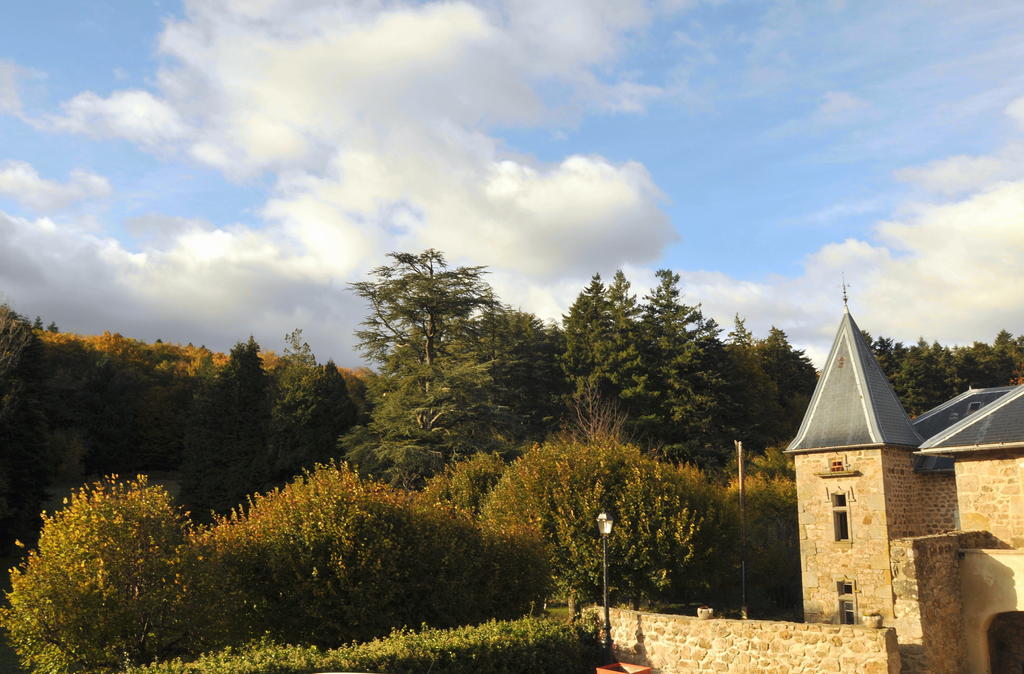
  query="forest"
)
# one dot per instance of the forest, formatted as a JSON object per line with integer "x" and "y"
{"x": 472, "y": 407}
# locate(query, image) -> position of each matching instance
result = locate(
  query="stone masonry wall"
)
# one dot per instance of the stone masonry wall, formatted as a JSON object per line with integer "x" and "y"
{"x": 990, "y": 490}
{"x": 673, "y": 644}
{"x": 928, "y": 607}
{"x": 917, "y": 504}
{"x": 864, "y": 558}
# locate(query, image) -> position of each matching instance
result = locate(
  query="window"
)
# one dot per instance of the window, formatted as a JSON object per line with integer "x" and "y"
{"x": 837, "y": 466}
{"x": 973, "y": 407}
{"x": 846, "y": 590}
{"x": 841, "y": 516}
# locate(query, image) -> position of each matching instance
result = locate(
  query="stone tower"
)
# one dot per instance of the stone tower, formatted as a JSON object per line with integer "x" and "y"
{"x": 857, "y": 486}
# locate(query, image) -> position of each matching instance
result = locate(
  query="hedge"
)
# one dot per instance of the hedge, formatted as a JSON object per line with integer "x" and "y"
{"x": 498, "y": 647}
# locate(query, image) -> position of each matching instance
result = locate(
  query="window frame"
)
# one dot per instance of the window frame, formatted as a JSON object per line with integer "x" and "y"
{"x": 846, "y": 601}
{"x": 841, "y": 516}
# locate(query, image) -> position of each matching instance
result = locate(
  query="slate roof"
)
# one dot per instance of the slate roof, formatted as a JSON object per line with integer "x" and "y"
{"x": 853, "y": 403}
{"x": 941, "y": 417}
{"x": 999, "y": 423}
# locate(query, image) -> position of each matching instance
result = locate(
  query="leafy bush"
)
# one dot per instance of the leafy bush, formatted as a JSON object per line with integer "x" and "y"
{"x": 330, "y": 558}
{"x": 105, "y": 588}
{"x": 526, "y": 645}
{"x": 668, "y": 519}
{"x": 465, "y": 485}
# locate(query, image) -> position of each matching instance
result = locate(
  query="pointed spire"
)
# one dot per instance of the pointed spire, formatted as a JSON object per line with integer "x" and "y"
{"x": 853, "y": 404}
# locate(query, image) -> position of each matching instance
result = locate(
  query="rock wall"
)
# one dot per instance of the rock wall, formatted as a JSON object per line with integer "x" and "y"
{"x": 886, "y": 499}
{"x": 928, "y": 607}
{"x": 673, "y": 644}
{"x": 990, "y": 490}
{"x": 917, "y": 504}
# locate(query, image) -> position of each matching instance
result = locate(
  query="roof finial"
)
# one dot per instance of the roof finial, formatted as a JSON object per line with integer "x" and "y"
{"x": 846, "y": 306}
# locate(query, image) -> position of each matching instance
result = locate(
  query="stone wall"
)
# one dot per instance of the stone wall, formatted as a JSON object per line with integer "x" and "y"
{"x": 1006, "y": 642}
{"x": 886, "y": 500}
{"x": 673, "y": 644}
{"x": 864, "y": 558}
{"x": 917, "y": 504}
{"x": 928, "y": 608}
{"x": 990, "y": 490}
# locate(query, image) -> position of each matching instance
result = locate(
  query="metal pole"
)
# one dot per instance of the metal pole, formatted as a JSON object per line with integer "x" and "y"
{"x": 743, "y": 532}
{"x": 607, "y": 642}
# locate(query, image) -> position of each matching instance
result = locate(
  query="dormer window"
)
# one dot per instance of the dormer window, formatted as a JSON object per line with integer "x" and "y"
{"x": 953, "y": 416}
{"x": 973, "y": 407}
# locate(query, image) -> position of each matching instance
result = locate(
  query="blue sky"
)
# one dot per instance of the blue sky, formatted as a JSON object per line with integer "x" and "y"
{"x": 202, "y": 171}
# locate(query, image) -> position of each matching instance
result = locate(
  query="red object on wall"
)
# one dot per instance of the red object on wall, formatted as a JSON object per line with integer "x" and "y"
{"x": 619, "y": 667}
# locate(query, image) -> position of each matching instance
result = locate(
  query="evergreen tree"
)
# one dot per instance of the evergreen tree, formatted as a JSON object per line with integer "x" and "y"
{"x": 226, "y": 449}
{"x": 588, "y": 327}
{"x": 926, "y": 377}
{"x": 433, "y": 400}
{"x": 522, "y": 357}
{"x": 794, "y": 378}
{"x": 311, "y": 409}
{"x": 757, "y": 408}
{"x": 23, "y": 473}
{"x": 685, "y": 393}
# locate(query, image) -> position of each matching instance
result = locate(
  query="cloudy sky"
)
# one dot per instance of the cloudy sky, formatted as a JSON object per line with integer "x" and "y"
{"x": 209, "y": 169}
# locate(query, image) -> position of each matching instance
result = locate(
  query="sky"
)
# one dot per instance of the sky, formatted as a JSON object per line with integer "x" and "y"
{"x": 206, "y": 170}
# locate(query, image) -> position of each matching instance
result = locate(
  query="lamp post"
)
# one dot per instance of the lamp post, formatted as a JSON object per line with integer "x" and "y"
{"x": 604, "y": 526}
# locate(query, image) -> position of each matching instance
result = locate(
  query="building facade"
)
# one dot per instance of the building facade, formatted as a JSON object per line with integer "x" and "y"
{"x": 917, "y": 521}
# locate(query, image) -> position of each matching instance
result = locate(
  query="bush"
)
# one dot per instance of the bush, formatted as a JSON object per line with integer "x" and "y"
{"x": 465, "y": 485}
{"x": 104, "y": 589}
{"x": 668, "y": 519}
{"x": 330, "y": 559}
{"x": 526, "y": 645}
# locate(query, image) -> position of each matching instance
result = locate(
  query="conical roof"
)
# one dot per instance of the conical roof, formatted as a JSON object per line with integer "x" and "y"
{"x": 853, "y": 404}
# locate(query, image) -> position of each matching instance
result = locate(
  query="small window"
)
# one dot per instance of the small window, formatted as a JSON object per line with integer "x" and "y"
{"x": 973, "y": 407}
{"x": 953, "y": 416}
{"x": 841, "y": 517}
{"x": 837, "y": 466}
{"x": 846, "y": 589}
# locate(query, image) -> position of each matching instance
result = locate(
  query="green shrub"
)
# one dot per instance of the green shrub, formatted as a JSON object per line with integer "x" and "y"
{"x": 668, "y": 520}
{"x": 526, "y": 645}
{"x": 104, "y": 588}
{"x": 330, "y": 559}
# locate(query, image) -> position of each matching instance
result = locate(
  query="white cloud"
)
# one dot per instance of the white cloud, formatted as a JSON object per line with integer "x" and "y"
{"x": 1016, "y": 110}
{"x": 964, "y": 173}
{"x": 20, "y": 181}
{"x": 10, "y": 101}
{"x": 132, "y": 114}
{"x": 840, "y": 107}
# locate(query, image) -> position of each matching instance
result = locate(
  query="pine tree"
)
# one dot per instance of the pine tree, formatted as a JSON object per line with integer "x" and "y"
{"x": 588, "y": 327}
{"x": 226, "y": 449}
{"x": 311, "y": 409}
{"x": 23, "y": 472}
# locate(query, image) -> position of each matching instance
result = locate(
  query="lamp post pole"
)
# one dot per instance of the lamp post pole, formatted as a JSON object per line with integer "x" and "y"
{"x": 604, "y": 525}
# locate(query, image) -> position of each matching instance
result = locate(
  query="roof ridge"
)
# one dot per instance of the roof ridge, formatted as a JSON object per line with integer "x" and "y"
{"x": 957, "y": 398}
{"x": 973, "y": 418}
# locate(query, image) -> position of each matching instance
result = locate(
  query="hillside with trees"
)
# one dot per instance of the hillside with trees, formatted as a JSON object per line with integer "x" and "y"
{"x": 466, "y": 470}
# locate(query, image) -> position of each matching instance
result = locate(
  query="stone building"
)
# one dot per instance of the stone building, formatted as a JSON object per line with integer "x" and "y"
{"x": 918, "y": 521}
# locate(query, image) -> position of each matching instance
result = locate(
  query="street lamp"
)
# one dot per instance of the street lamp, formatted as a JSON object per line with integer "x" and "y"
{"x": 604, "y": 526}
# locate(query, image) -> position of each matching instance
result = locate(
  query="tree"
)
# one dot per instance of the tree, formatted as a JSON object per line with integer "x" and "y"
{"x": 311, "y": 409}
{"x": 433, "y": 400}
{"x": 521, "y": 354}
{"x": 685, "y": 395}
{"x": 226, "y": 450}
{"x": 558, "y": 489}
{"x": 23, "y": 472}
{"x": 587, "y": 327}
{"x": 105, "y": 588}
